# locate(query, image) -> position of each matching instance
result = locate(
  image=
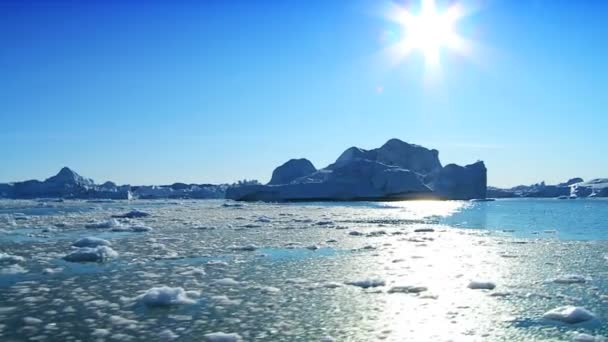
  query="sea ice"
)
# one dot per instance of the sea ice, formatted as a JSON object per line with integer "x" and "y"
{"x": 222, "y": 337}
{"x": 164, "y": 295}
{"x": 12, "y": 269}
{"x": 569, "y": 314}
{"x": 91, "y": 254}
{"x": 91, "y": 241}
{"x": 481, "y": 285}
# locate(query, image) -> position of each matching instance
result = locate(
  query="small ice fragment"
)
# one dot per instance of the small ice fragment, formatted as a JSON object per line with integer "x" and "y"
{"x": 167, "y": 335}
{"x": 112, "y": 223}
{"x": 569, "y": 314}
{"x": 481, "y": 285}
{"x": 164, "y": 296}
{"x": 407, "y": 289}
{"x": 10, "y": 259}
{"x": 327, "y": 339}
{"x": 570, "y": 279}
{"x": 247, "y": 248}
{"x": 91, "y": 241}
{"x": 222, "y": 337}
{"x": 31, "y": 320}
{"x": 226, "y": 282}
{"x": 367, "y": 283}
{"x": 141, "y": 229}
{"x": 581, "y": 337}
{"x": 132, "y": 214}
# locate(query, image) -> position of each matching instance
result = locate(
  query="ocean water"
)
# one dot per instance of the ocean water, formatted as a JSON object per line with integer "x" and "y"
{"x": 304, "y": 272}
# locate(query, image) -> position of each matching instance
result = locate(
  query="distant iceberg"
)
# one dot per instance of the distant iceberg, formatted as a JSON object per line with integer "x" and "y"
{"x": 397, "y": 170}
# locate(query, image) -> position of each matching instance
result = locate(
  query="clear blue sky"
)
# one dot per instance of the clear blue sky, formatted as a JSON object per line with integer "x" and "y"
{"x": 216, "y": 91}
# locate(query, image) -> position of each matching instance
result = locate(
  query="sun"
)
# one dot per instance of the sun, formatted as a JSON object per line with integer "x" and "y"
{"x": 429, "y": 31}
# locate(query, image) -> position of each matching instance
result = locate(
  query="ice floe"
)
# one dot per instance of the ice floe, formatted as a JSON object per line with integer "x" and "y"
{"x": 111, "y": 223}
{"x": 132, "y": 214}
{"x": 569, "y": 314}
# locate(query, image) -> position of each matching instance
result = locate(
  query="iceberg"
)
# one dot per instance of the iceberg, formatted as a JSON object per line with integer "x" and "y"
{"x": 569, "y": 314}
{"x": 395, "y": 171}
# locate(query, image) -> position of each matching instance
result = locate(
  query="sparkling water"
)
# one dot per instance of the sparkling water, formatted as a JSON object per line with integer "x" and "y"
{"x": 397, "y": 271}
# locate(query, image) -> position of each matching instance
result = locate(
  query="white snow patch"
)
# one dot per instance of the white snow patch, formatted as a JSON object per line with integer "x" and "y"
{"x": 581, "y": 337}
{"x": 11, "y": 259}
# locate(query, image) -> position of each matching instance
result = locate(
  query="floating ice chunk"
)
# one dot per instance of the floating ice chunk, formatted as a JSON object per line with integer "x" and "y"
{"x": 112, "y": 223}
{"x": 118, "y": 320}
{"x": 226, "y": 282}
{"x": 327, "y": 339}
{"x": 569, "y": 314}
{"x": 225, "y": 301}
{"x": 332, "y": 285}
{"x": 570, "y": 279}
{"x": 13, "y": 269}
{"x": 10, "y": 259}
{"x": 31, "y": 320}
{"x": 164, "y": 296}
{"x": 100, "y": 333}
{"x": 407, "y": 289}
{"x": 141, "y": 229}
{"x": 91, "y": 241}
{"x": 481, "y": 285}
{"x": 132, "y": 214}
{"x": 580, "y": 337}
{"x": 222, "y": 337}
{"x": 270, "y": 290}
{"x": 248, "y": 248}
{"x": 424, "y": 230}
{"x": 367, "y": 283}
{"x": 91, "y": 254}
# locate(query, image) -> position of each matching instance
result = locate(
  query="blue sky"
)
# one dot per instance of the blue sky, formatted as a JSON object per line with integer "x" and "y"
{"x": 216, "y": 91}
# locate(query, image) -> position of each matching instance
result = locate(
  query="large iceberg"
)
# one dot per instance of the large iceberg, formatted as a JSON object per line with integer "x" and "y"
{"x": 397, "y": 170}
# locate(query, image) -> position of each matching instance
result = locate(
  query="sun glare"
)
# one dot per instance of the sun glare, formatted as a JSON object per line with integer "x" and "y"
{"x": 428, "y": 31}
